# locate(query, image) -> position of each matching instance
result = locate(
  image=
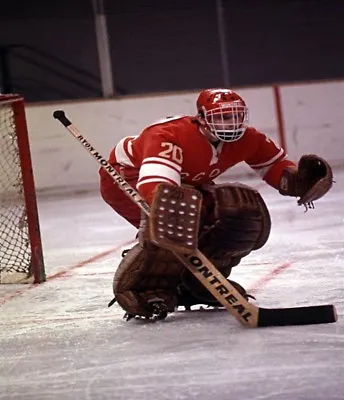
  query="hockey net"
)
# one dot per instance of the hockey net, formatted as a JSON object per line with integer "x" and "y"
{"x": 21, "y": 258}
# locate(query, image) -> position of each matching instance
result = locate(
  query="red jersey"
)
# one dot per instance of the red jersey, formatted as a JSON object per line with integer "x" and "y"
{"x": 176, "y": 151}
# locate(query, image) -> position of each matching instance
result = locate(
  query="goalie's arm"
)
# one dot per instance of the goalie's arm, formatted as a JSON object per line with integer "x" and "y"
{"x": 266, "y": 158}
{"x": 158, "y": 165}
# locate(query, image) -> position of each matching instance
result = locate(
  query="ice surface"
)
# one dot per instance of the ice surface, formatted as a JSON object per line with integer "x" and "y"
{"x": 60, "y": 341}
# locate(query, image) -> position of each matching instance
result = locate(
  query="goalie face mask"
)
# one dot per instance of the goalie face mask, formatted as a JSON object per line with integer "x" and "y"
{"x": 224, "y": 113}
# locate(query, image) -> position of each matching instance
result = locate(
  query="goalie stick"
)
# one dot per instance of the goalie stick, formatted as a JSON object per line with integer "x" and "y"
{"x": 246, "y": 313}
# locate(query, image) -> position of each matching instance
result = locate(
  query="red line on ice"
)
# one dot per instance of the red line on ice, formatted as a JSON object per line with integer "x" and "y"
{"x": 258, "y": 285}
{"x": 64, "y": 272}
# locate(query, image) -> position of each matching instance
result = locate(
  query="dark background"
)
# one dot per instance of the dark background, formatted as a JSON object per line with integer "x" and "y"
{"x": 49, "y": 51}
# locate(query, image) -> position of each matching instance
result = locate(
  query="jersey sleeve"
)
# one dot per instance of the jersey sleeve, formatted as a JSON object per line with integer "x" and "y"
{"x": 267, "y": 158}
{"x": 161, "y": 160}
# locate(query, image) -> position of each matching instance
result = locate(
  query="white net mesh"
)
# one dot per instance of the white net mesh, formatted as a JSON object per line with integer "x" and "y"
{"x": 15, "y": 250}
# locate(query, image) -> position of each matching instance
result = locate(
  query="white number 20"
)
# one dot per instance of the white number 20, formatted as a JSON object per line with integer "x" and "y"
{"x": 172, "y": 152}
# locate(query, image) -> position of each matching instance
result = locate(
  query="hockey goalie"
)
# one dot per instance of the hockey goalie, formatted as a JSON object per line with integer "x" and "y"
{"x": 173, "y": 164}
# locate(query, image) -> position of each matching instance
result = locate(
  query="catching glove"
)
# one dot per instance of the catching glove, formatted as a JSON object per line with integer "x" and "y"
{"x": 311, "y": 181}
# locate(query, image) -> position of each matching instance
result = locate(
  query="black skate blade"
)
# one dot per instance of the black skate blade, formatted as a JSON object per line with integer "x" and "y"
{"x": 112, "y": 302}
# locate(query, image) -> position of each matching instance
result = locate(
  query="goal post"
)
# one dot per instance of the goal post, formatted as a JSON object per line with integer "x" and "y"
{"x": 21, "y": 255}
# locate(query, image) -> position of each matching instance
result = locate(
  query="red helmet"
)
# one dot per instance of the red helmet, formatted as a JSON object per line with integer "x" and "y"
{"x": 224, "y": 113}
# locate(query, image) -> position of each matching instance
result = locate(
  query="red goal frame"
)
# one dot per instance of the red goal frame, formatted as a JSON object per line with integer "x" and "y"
{"x": 37, "y": 269}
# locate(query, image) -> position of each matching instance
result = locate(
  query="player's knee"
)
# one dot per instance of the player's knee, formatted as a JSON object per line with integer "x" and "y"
{"x": 243, "y": 215}
{"x": 242, "y": 224}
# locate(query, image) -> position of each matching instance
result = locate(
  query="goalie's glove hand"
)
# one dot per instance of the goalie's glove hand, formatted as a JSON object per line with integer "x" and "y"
{"x": 311, "y": 181}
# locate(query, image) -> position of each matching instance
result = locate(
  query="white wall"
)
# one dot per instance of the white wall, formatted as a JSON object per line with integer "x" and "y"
{"x": 312, "y": 112}
{"x": 314, "y": 120}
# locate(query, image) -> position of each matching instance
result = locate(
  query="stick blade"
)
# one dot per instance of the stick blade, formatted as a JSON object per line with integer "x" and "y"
{"x": 324, "y": 314}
